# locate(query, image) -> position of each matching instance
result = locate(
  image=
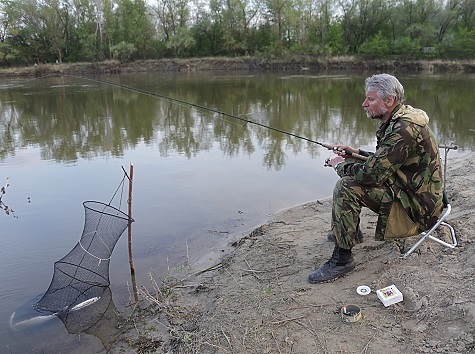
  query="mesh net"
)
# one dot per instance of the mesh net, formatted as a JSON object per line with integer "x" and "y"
{"x": 99, "y": 317}
{"x": 80, "y": 277}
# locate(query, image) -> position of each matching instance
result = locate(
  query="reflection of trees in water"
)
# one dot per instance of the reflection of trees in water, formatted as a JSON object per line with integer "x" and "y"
{"x": 70, "y": 118}
{"x": 452, "y": 101}
{"x": 8, "y": 123}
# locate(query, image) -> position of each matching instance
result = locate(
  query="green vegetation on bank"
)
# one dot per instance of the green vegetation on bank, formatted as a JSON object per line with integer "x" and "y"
{"x": 49, "y": 31}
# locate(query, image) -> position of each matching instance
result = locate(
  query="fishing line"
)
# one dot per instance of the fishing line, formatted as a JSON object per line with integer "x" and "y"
{"x": 195, "y": 105}
{"x": 198, "y": 106}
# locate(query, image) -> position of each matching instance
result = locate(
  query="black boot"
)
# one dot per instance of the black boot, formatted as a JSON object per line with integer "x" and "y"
{"x": 339, "y": 264}
{"x": 358, "y": 237}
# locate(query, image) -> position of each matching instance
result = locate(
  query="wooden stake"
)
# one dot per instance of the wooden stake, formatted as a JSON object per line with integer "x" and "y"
{"x": 130, "y": 177}
{"x": 129, "y": 202}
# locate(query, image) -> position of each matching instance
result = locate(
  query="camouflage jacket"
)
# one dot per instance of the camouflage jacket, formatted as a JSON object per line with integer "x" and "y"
{"x": 407, "y": 160}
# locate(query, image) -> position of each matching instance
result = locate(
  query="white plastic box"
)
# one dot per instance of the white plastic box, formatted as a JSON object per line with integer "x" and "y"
{"x": 389, "y": 295}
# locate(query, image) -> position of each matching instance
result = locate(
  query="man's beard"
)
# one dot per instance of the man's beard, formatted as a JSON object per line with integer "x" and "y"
{"x": 380, "y": 113}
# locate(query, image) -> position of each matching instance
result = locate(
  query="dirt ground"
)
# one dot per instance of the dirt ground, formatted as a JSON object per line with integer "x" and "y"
{"x": 256, "y": 299}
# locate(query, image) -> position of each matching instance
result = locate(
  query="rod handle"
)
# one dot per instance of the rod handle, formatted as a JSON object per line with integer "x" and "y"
{"x": 353, "y": 154}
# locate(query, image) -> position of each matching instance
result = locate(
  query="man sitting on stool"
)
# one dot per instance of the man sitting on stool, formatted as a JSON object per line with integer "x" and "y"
{"x": 401, "y": 181}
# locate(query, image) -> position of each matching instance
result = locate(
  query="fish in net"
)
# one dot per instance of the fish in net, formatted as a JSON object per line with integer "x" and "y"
{"x": 97, "y": 316}
{"x": 80, "y": 277}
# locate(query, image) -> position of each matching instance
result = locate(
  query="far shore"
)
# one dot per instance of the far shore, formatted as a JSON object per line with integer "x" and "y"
{"x": 248, "y": 64}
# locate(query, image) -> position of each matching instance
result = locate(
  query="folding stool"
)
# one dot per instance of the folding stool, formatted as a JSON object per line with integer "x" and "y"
{"x": 446, "y": 211}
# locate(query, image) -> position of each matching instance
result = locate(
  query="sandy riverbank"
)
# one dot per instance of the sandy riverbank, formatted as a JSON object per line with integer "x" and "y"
{"x": 257, "y": 299}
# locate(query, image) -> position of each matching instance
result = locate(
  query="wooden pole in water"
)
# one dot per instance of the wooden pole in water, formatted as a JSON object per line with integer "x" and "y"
{"x": 130, "y": 177}
{"x": 129, "y": 202}
{"x": 131, "y": 258}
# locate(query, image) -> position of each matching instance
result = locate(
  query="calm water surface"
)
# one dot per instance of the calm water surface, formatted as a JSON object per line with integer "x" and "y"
{"x": 199, "y": 177}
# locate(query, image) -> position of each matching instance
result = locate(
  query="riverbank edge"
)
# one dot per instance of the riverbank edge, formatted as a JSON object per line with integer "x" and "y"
{"x": 211, "y": 308}
{"x": 249, "y": 64}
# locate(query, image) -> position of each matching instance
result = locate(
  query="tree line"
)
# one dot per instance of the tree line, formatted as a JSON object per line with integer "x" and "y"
{"x": 48, "y": 31}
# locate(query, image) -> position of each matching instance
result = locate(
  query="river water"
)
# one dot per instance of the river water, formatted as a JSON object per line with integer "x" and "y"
{"x": 200, "y": 177}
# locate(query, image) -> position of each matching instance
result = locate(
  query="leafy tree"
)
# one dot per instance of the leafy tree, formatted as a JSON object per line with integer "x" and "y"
{"x": 326, "y": 35}
{"x": 132, "y": 25}
{"x": 201, "y": 33}
{"x": 460, "y": 45}
{"x": 407, "y": 48}
{"x": 181, "y": 42}
{"x": 29, "y": 33}
{"x": 263, "y": 37}
{"x": 123, "y": 51}
{"x": 362, "y": 19}
{"x": 466, "y": 15}
{"x": 8, "y": 52}
{"x": 334, "y": 39}
{"x": 55, "y": 20}
{"x": 6, "y": 18}
{"x": 375, "y": 47}
{"x": 237, "y": 18}
{"x": 110, "y": 28}
{"x": 172, "y": 21}
{"x": 222, "y": 27}
{"x": 276, "y": 11}
{"x": 86, "y": 36}
{"x": 76, "y": 30}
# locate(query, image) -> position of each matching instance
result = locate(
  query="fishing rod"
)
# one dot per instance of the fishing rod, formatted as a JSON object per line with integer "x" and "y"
{"x": 190, "y": 104}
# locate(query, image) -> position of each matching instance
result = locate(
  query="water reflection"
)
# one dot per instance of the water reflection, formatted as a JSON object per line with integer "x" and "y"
{"x": 71, "y": 118}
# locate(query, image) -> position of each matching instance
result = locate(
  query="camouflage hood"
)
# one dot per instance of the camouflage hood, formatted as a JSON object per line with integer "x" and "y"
{"x": 411, "y": 114}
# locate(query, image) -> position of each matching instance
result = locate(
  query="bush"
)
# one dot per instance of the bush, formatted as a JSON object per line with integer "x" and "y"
{"x": 458, "y": 45}
{"x": 375, "y": 47}
{"x": 123, "y": 51}
{"x": 407, "y": 48}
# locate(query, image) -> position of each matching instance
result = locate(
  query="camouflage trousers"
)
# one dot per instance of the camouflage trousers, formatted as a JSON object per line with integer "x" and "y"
{"x": 349, "y": 198}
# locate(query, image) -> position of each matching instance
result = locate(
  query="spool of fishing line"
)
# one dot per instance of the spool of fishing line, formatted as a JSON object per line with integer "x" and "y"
{"x": 363, "y": 290}
{"x": 350, "y": 313}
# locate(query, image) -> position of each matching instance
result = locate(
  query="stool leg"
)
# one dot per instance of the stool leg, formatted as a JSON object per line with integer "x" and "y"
{"x": 428, "y": 234}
